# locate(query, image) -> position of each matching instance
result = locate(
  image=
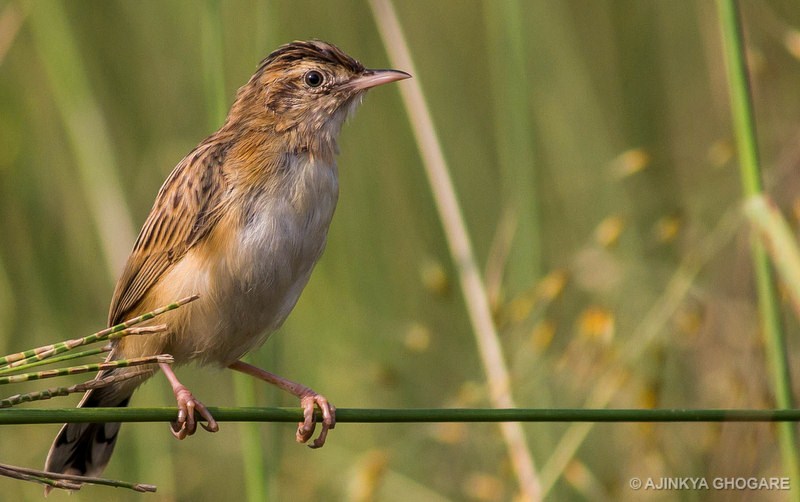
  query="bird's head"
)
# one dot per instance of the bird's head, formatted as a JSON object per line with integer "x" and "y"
{"x": 307, "y": 89}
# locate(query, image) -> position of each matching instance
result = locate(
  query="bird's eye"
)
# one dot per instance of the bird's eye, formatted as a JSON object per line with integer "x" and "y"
{"x": 313, "y": 78}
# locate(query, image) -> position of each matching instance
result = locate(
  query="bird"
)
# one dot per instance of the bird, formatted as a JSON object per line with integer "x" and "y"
{"x": 240, "y": 221}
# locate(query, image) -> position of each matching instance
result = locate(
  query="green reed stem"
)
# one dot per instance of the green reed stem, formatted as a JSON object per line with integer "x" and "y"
{"x": 43, "y": 355}
{"x": 750, "y": 170}
{"x": 67, "y": 481}
{"x": 54, "y": 360}
{"x": 13, "y": 473}
{"x": 47, "y": 351}
{"x": 65, "y": 391}
{"x": 86, "y": 368}
{"x": 419, "y": 415}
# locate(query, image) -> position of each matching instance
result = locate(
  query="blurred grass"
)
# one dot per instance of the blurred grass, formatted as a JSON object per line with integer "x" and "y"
{"x": 599, "y": 80}
{"x": 513, "y": 133}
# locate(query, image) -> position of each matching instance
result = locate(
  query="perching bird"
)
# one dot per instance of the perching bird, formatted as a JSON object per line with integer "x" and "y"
{"x": 241, "y": 221}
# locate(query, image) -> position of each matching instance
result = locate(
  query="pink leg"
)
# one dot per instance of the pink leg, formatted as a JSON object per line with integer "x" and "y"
{"x": 308, "y": 399}
{"x": 186, "y": 424}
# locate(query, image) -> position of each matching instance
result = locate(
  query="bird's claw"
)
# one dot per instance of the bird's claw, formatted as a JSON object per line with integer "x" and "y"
{"x": 186, "y": 424}
{"x": 305, "y": 429}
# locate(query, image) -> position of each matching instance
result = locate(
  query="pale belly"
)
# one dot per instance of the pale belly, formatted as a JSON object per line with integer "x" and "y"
{"x": 248, "y": 279}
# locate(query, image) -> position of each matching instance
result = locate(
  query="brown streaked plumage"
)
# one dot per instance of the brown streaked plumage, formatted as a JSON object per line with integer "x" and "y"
{"x": 241, "y": 221}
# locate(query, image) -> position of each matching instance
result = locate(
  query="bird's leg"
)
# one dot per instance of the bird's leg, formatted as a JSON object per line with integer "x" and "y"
{"x": 186, "y": 424}
{"x": 308, "y": 399}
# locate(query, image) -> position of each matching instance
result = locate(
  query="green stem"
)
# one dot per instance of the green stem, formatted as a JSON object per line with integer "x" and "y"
{"x": 40, "y": 353}
{"x": 419, "y": 415}
{"x": 86, "y": 368}
{"x": 769, "y": 306}
{"x": 54, "y": 360}
{"x": 71, "y": 482}
{"x": 744, "y": 123}
{"x": 95, "y": 383}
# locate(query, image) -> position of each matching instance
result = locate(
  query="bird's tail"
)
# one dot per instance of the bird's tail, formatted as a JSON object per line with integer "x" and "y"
{"x": 85, "y": 449}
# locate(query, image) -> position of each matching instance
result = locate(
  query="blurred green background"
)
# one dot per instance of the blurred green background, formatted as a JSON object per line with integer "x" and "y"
{"x": 591, "y": 149}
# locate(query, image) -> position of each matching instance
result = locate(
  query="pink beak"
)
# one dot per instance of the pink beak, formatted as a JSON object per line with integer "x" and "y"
{"x": 371, "y": 78}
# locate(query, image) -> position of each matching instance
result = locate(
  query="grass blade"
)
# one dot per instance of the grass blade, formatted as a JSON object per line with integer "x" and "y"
{"x": 744, "y": 125}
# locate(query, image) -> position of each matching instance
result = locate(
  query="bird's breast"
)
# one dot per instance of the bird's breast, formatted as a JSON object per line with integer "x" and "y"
{"x": 282, "y": 231}
{"x": 261, "y": 259}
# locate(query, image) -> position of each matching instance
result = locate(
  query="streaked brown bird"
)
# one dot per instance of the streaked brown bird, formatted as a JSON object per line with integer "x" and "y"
{"x": 241, "y": 221}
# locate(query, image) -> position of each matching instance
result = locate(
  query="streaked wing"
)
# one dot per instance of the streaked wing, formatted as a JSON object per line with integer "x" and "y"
{"x": 186, "y": 208}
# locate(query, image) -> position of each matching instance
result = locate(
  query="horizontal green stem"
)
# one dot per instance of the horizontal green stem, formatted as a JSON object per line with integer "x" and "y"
{"x": 360, "y": 415}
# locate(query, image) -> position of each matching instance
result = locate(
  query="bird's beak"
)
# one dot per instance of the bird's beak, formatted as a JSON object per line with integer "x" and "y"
{"x": 371, "y": 78}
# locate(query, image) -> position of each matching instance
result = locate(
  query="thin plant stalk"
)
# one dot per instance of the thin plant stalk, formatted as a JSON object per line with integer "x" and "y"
{"x": 18, "y": 416}
{"x": 744, "y": 125}
{"x": 13, "y": 472}
{"x": 65, "y": 391}
{"x": 34, "y": 356}
{"x": 43, "y": 355}
{"x": 59, "y": 359}
{"x": 497, "y": 260}
{"x": 46, "y": 351}
{"x": 458, "y": 240}
{"x": 68, "y": 481}
{"x": 86, "y": 368}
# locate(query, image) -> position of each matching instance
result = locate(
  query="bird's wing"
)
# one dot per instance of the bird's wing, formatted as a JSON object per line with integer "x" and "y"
{"x": 185, "y": 210}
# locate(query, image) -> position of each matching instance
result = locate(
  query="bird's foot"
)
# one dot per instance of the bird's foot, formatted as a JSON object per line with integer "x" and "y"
{"x": 186, "y": 424}
{"x": 309, "y": 400}
{"x": 305, "y": 429}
